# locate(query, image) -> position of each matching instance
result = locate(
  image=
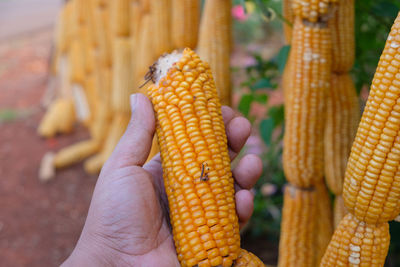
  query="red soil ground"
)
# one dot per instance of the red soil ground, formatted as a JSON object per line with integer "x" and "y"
{"x": 40, "y": 223}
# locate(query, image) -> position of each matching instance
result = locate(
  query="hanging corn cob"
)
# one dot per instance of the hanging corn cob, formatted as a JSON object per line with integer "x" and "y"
{"x": 303, "y": 141}
{"x": 371, "y": 190}
{"x": 296, "y": 245}
{"x": 307, "y": 212}
{"x": 340, "y": 128}
{"x": 342, "y": 102}
{"x": 343, "y": 40}
{"x": 185, "y": 20}
{"x": 215, "y": 41}
{"x": 196, "y": 164}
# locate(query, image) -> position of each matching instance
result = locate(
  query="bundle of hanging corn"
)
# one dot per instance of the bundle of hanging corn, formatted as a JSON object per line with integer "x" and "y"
{"x": 343, "y": 110}
{"x": 307, "y": 213}
{"x": 103, "y": 51}
{"x": 371, "y": 190}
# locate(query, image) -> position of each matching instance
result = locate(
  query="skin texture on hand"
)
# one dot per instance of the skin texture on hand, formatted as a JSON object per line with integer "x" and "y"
{"x": 127, "y": 222}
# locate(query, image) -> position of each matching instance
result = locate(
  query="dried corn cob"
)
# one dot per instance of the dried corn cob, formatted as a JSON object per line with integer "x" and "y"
{"x": 343, "y": 40}
{"x": 185, "y": 23}
{"x": 120, "y": 17}
{"x": 205, "y": 225}
{"x": 196, "y": 164}
{"x": 59, "y": 118}
{"x": 296, "y": 245}
{"x": 136, "y": 10}
{"x": 312, "y": 10}
{"x": 372, "y": 184}
{"x": 123, "y": 85}
{"x": 215, "y": 38}
{"x": 76, "y": 62}
{"x": 324, "y": 222}
{"x": 248, "y": 259}
{"x": 161, "y": 27}
{"x": 356, "y": 243}
{"x": 339, "y": 211}
{"x": 342, "y": 117}
{"x": 287, "y": 13}
{"x": 145, "y": 52}
{"x": 75, "y": 153}
{"x": 305, "y": 108}
{"x": 103, "y": 35}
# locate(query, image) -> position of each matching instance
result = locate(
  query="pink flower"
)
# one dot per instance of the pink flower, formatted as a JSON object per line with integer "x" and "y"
{"x": 239, "y": 13}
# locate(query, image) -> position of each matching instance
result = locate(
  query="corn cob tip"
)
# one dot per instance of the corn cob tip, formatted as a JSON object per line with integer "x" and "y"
{"x": 160, "y": 68}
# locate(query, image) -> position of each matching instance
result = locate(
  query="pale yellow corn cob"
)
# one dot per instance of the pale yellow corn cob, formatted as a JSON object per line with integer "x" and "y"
{"x": 215, "y": 44}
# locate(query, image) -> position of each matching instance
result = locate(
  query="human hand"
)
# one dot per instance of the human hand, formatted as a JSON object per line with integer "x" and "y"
{"x": 127, "y": 223}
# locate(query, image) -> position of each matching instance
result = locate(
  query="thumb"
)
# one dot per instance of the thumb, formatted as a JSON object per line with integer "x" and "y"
{"x": 134, "y": 146}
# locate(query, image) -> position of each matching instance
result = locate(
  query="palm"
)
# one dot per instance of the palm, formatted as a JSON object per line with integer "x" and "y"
{"x": 126, "y": 195}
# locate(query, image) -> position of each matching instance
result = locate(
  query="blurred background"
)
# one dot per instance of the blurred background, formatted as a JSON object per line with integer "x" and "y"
{"x": 41, "y": 222}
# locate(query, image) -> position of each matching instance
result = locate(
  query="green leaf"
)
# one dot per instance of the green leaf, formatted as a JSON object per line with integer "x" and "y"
{"x": 262, "y": 84}
{"x": 266, "y": 130}
{"x": 385, "y": 9}
{"x": 260, "y": 98}
{"x": 245, "y": 104}
{"x": 282, "y": 57}
{"x": 277, "y": 114}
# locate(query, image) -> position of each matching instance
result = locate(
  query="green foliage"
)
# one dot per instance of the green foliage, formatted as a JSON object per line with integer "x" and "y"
{"x": 372, "y": 25}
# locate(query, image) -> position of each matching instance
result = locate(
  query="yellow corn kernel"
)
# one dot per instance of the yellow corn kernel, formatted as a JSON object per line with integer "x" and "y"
{"x": 371, "y": 188}
{"x": 342, "y": 118}
{"x": 324, "y": 222}
{"x": 248, "y": 259}
{"x": 196, "y": 164}
{"x": 305, "y": 106}
{"x": 343, "y": 36}
{"x": 356, "y": 243}
{"x": 339, "y": 211}
{"x": 312, "y": 10}
{"x": 298, "y": 228}
{"x": 215, "y": 39}
{"x": 185, "y": 23}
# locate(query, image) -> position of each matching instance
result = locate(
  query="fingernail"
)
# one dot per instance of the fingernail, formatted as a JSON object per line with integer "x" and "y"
{"x": 133, "y": 100}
